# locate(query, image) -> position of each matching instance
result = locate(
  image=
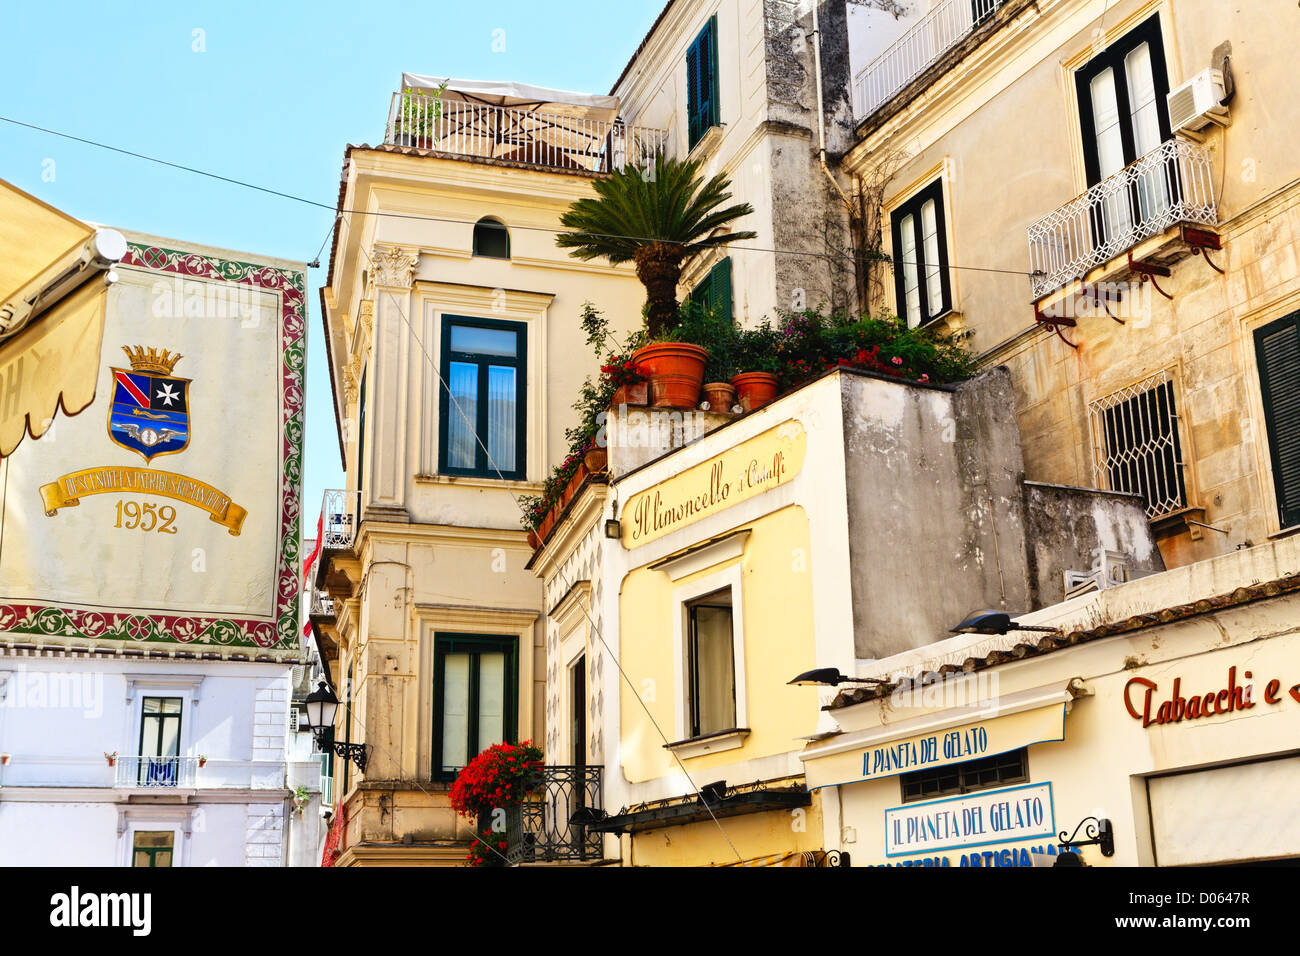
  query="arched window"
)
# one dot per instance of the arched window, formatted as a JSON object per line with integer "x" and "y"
{"x": 491, "y": 239}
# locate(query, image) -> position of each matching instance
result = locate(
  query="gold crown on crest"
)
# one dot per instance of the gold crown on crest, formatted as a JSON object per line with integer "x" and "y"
{"x": 151, "y": 361}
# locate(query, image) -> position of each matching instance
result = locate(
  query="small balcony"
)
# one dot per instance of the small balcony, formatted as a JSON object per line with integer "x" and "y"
{"x": 541, "y": 830}
{"x": 156, "y": 773}
{"x": 340, "y": 518}
{"x": 528, "y": 135}
{"x": 1169, "y": 186}
{"x": 947, "y": 23}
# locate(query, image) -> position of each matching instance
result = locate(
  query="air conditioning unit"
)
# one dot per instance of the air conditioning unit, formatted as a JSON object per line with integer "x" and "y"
{"x": 1198, "y": 103}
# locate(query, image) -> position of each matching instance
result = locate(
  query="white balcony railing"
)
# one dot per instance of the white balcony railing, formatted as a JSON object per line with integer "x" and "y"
{"x": 908, "y": 57}
{"x": 341, "y": 514}
{"x": 156, "y": 773}
{"x": 519, "y": 135}
{"x": 1168, "y": 186}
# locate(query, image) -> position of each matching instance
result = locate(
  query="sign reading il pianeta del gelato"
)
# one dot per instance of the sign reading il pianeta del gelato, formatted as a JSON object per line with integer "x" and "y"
{"x": 167, "y": 511}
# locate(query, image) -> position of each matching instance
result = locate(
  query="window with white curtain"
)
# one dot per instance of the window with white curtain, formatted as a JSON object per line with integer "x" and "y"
{"x": 1123, "y": 116}
{"x": 474, "y": 697}
{"x": 482, "y": 407}
{"x": 921, "y": 257}
{"x": 711, "y": 664}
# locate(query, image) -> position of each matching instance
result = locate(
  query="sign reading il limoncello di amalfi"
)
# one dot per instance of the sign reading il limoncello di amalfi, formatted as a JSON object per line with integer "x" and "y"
{"x": 167, "y": 511}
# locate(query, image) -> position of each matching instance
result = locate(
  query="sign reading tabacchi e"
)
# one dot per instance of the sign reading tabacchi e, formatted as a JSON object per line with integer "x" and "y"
{"x": 738, "y": 474}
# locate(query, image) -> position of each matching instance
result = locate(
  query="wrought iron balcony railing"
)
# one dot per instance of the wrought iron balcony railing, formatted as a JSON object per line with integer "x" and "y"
{"x": 911, "y": 54}
{"x": 341, "y": 515}
{"x": 515, "y": 134}
{"x": 321, "y": 604}
{"x": 540, "y": 830}
{"x": 1169, "y": 186}
{"x": 154, "y": 773}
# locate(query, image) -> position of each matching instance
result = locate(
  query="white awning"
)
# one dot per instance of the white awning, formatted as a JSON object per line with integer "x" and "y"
{"x": 517, "y": 95}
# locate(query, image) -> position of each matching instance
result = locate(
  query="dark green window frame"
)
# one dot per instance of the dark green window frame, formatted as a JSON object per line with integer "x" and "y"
{"x": 1277, "y": 354}
{"x": 474, "y": 645}
{"x": 914, "y": 207}
{"x": 519, "y": 362}
{"x": 156, "y": 767}
{"x": 702, "y": 112}
{"x": 153, "y": 852}
{"x": 491, "y": 239}
{"x": 713, "y": 292}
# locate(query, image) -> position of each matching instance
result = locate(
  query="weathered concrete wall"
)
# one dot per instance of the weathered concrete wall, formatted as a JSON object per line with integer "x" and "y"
{"x": 935, "y": 508}
{"x": 1066, "y": 527}
{"x": 941, "y": 521}
{"x": 813, "y": 217}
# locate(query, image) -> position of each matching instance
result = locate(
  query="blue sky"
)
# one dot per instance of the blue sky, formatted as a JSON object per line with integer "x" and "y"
{"x": 276, "y": 92}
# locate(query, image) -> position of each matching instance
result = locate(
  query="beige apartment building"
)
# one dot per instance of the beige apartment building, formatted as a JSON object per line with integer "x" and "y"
{"x": 1105, "y": 197}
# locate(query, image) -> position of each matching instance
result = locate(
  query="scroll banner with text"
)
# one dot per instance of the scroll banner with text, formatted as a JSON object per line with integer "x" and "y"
{"x": 754, "y": 466}
{"x": 938, "y": 748}
{"x": 168, "y": 511}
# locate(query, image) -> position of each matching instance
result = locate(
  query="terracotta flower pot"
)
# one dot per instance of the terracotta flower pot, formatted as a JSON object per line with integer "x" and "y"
{"x": 112, "y": 761}
{"x": 596, "y": 460}
{"x": 4, "y": 760}
{"x": 534, "y": 542}
{"x": 720, "y": 396}
{"x": 638, "y": 393}
{"x": 675, "y": 371}
{"x": 754, "y": 389}
{"x": 574, "y": 484}
{"x": 202, "y": 761}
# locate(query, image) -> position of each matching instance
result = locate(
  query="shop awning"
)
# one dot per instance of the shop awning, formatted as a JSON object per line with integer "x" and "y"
{"x": 941, "y": 737}
{"x": 693, "y": 809}
{"x": 52, "y": 303}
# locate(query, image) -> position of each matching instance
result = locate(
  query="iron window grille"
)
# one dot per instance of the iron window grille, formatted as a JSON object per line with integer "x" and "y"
{"x": 1136, "y": 445}
{"x": 967, "y": 777}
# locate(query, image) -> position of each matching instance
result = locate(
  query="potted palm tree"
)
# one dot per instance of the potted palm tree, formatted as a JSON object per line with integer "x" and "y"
{"x": 658, "y": 220}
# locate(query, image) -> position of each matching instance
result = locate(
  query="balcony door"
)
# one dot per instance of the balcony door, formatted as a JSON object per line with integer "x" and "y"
{"x": 160, "y": 741}
{"x": 1123, "y": 117}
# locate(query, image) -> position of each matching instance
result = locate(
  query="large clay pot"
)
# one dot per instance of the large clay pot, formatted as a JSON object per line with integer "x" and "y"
{"x": 720, "y": 396}
{"x": 596, "y": 459}
{"x": 638, "y": 393}
{"x": 754, "y": 389}
{"x": 675, "y": 371}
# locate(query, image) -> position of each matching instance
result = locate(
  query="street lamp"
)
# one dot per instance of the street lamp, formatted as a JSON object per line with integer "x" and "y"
{"x": 995, "y": 622}
{"x": 321, "y": 707}
{"x": 830, "y": 677}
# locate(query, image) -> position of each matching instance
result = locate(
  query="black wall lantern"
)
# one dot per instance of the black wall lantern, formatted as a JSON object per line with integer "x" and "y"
{"x": 1098, "y": 832}
{"x": 321, "y": 706}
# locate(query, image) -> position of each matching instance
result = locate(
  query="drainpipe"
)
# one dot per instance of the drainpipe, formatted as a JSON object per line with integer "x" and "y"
{"x": 821, "y": 122}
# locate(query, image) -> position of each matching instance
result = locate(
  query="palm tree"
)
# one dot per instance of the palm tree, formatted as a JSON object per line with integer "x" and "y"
{"x": 659, "y": 221}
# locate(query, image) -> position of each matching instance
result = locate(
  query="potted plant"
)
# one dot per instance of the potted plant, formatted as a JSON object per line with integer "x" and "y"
{"x": 659, "y": 220}
{"x": 488, "y": 789}
{"x": 111, "y": 758}
{"x": 418, "y": 112}
{"x": 202, "y": 759}
{"x": 757, "y": 362}
{"x": 301, "y": 797}
{"x": 4, "y": 760}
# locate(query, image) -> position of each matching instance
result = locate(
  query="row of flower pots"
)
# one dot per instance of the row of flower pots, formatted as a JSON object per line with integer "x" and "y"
{"x": 675, "y": 374}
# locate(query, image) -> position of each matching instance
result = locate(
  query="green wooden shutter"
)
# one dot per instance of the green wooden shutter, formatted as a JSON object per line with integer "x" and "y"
{"x": 720, "y": 288}
{"x": 702, "y": 82}
{"x": 1277, "y": 350}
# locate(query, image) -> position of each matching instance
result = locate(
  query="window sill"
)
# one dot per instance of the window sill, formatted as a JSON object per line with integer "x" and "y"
{"x": 707, "y": 143}
{"x": 1176, "y": 522}
{"x": 712, "y": 743}
{"x": 1285, "y": 532}
{"x": 476, "y": 481}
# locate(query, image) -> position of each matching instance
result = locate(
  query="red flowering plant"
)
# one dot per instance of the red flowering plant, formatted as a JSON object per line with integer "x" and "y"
{"x": 596, "y": 396}
{"x": 496, "y": 780}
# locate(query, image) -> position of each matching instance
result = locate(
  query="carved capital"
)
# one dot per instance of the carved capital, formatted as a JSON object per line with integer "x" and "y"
{"x": 395, "y": 266}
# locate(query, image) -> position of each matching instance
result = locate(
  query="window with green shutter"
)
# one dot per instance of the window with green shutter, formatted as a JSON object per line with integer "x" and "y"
{"x": 714, "y": 290}
{"x": 1277, "y": 350}
{"x": 702, "y": 83}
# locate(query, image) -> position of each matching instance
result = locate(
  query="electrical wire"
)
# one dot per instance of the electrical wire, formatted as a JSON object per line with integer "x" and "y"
{"x": 464, "y": 222}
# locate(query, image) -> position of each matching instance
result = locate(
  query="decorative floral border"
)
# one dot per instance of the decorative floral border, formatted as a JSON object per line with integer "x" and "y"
{"x": 49, "y": 621}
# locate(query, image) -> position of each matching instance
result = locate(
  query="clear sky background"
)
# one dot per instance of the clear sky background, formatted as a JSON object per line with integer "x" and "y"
{"x": 273, "y": 97}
